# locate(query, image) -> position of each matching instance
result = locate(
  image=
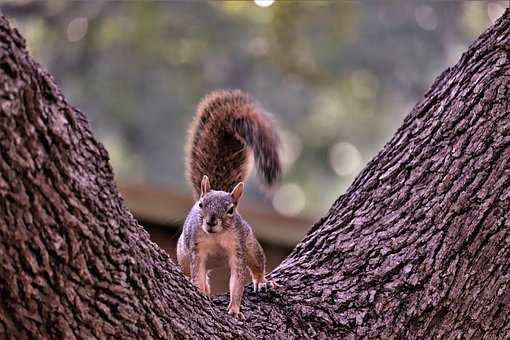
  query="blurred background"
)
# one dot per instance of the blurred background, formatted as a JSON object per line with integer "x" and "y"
{"x": 338, "y": 76}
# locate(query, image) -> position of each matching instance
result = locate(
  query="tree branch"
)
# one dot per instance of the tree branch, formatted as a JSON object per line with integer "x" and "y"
{"x": 418, "y": 246}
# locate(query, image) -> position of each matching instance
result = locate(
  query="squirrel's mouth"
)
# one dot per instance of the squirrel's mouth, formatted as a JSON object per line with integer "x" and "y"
{"x": 211, "y": 229}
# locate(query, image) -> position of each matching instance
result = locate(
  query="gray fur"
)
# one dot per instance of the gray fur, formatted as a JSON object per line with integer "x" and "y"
{"x": 235, "y": 239}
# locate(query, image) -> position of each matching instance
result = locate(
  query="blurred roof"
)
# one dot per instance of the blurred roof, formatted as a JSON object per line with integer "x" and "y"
{"x": 163, "y": 206}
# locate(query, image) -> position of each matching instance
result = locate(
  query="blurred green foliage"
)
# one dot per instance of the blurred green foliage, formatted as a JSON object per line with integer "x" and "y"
{"x": 338, "y": 76}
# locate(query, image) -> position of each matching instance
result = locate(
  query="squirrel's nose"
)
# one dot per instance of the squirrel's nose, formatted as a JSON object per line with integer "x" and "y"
{"x": 212, "y": 221}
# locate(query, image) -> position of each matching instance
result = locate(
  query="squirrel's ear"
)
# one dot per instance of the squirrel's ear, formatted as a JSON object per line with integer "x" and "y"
{"x": 205, "y": 186}
{"x": 237, "y": 192}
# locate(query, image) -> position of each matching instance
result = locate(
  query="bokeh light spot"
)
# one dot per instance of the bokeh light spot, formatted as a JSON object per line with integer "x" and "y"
{"x": 77, "y": 29}
{"x": 426, "y": 17}
{"x": 364, "y": 84}
{"x": 345, "y": 158}
{"x": 291, "y": 147}
{"x": 263, "y": 3}
{"x": 289, "y": 199}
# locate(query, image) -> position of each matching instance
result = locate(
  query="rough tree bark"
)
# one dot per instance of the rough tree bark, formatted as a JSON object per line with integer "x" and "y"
{"x": 419, "y": 246}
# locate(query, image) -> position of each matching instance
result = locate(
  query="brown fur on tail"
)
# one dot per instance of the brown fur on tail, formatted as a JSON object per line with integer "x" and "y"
{"x": 226, "y": 127}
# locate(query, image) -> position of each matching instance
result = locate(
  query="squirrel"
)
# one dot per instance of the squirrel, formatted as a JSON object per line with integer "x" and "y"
{"x": 227, "y": 128}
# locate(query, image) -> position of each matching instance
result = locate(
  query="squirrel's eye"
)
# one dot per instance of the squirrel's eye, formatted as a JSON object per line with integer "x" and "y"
{"x": 200, "y": 205}
{"x": 230, "y": 211}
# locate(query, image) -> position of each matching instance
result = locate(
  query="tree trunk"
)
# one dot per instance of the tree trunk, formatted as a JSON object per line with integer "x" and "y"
{"x": 419, "y": 246}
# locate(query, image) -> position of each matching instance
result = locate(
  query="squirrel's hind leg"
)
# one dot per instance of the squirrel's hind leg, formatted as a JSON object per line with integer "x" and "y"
{"x": 257, "y": 265}
{"x": 208, "y": 282}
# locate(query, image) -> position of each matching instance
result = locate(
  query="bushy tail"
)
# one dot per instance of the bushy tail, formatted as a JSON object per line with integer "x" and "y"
{"x": 226, "y": 128}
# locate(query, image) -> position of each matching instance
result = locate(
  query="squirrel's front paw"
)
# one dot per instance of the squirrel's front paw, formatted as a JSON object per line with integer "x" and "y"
{"x": 236, "y": 313}
{"x": 261, "y": 286}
